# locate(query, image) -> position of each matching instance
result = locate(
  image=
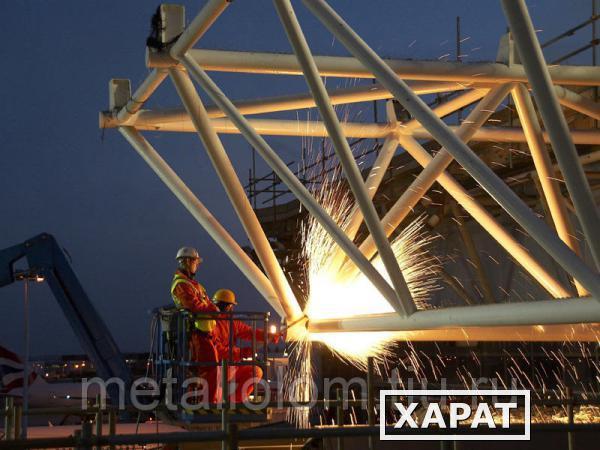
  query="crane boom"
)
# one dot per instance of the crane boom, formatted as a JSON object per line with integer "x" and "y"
{"x": 46, "y": 258}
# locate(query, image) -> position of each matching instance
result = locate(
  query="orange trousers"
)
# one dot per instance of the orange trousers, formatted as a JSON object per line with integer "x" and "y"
{"x": 202, "y": 349}
{"x": 242, "y": 377}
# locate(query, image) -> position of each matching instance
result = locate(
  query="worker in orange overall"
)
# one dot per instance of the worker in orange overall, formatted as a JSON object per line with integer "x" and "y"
{"x": 189, "y": 295}
{"x": 243, "y": 376}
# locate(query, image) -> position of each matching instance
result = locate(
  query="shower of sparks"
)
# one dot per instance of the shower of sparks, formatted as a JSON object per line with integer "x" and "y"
{"x": 298, "y": 382}
{"x": 335, "y": 293}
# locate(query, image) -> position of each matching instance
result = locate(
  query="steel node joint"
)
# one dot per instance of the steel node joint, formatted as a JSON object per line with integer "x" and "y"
{"x": 167, "y": 61}
{"x": 298, "y": 329}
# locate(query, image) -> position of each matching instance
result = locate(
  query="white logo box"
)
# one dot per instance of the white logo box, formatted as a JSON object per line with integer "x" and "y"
{"x": 459, "y": 393}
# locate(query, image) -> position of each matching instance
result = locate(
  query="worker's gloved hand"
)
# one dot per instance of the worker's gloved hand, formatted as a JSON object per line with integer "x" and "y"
{"x": 246, "y": 352}
{"x": 275, "y": 338}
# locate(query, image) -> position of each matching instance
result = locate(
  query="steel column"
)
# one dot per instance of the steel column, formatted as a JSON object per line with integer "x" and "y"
{"x": 478, "y": 170}
{"x": 203, "y": 216}
{"x": 292, "y": 28}
{"x": 545, "y": 172}
{"x": 286, "y": 175}
{"x": 555, "y": 123}
{"x": 236, "y": 193}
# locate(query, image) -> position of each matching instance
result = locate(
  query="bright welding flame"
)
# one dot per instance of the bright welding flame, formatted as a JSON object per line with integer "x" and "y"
{"x": 342, "y": 294}
{"x": 332, "y": 293}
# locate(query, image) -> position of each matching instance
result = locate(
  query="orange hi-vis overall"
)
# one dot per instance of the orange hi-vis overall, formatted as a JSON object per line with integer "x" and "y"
{"x": 243, "y": 376}
{"x": 189, "y": 295}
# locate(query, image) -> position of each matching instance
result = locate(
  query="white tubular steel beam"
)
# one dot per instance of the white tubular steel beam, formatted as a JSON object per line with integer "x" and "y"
{"x": 576, "y": 332}
{"x": 286, "y": 175}
{"x": 341, "y": 66}
{"x": 201, "y": 23}
{"x": 374, "y": 179}
{"x": 389, "y": 148}
{"x": 236, "y": 193}
{"x": 566, "y": 154}
{"x": 277, "y": 127}
{"x": 139, "y": 97}
{"x": 405, "y": 306}
{"x": 376, "y": 174}
{"x": 545, "y": 312}
{"x": 355, "y": 94}
{"x": 510, "y": 134}
{"x": 486, "y": 177}
{"x": 545, "y": 171}
{"x": 487, "y": 221}
{"x": 577, "y": 102}
{"x": 447, "y": 108}
{"x": 203, "y": 216}
{"x": 428, "y": 176}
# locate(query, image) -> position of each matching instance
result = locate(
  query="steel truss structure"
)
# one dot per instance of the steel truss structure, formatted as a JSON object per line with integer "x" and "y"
{"x": 560, "y": 318}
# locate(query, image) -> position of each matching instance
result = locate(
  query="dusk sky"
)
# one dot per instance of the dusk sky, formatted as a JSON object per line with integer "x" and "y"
{"x": 61, "y": 174}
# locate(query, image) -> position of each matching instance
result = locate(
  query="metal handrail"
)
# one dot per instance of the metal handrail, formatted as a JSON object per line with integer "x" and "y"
{"x": 87, "y": 440}
{"x": 171, "y": 350}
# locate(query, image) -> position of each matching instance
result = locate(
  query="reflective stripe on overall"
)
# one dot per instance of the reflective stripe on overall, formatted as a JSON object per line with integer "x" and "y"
{"x": 203, "y": 324}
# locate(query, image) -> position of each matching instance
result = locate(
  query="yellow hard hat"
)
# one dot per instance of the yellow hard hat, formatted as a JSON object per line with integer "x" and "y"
{"x": 225, "y": 296}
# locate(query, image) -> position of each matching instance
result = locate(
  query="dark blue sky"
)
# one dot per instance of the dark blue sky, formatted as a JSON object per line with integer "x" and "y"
{"x": 61, "y": 174}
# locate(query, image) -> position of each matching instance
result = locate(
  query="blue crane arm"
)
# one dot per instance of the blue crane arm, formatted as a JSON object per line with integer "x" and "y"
{"x": 46, "y": 258}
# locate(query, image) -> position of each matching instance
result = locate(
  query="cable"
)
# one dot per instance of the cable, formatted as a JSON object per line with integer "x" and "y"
{"x": 153, "y": 329}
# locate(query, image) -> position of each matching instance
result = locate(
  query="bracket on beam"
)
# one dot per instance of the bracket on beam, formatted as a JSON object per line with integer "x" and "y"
{"x": 507, "y": 53}
{"x": 119, "y": 93}
{"x": 173, "y": 22}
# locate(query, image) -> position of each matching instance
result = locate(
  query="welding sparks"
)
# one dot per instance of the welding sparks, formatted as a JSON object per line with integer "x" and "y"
{"x": 336, "y": 293}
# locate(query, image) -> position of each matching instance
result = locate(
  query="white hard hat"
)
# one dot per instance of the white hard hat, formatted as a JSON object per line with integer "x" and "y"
{"x": 188, "y": 252}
